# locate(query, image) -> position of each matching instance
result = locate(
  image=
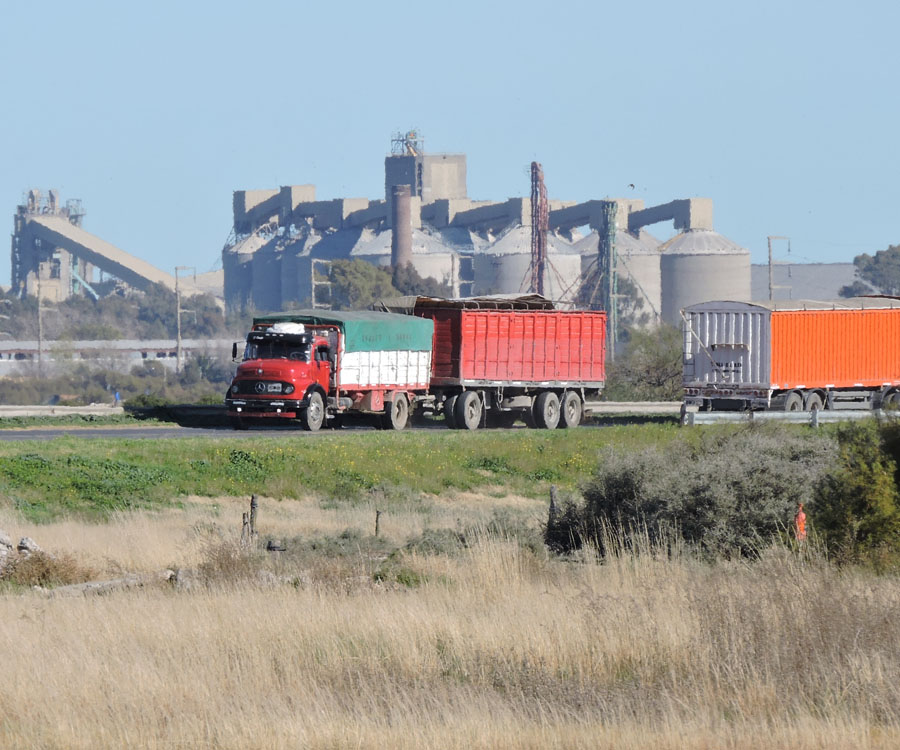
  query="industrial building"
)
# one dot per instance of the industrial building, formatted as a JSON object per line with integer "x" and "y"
{"x": 284, "y": 238}
{"x": 55, "y": 258}
{"x": 802, "y": 280}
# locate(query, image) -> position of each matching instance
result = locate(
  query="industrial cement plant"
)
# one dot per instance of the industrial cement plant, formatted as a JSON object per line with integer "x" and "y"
{"x": 283, "y": 241}
{"x": 284, "y": 238}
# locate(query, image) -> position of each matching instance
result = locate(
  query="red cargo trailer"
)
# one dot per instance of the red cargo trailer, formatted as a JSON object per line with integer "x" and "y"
{"x": 793, "y": 354}
{"x": 499, "y": 359}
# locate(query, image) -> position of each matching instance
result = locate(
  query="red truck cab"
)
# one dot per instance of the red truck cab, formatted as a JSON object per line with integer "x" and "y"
{"x": 286, "y": 373}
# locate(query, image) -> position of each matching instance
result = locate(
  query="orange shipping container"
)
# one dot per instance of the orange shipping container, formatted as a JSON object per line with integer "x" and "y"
{"x": 793, "y": 344}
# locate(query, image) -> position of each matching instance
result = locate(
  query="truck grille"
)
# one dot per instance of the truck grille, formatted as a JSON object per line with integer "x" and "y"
{"x": 261, "y": 388}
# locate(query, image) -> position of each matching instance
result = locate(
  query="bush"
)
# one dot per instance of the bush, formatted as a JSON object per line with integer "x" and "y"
{"x": 857, "y": 510}
{"x": 43, "y": 569}
{"x": 726, "y": 494}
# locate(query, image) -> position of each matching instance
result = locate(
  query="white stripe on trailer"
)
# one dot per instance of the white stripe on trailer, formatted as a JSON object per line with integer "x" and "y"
{"x": 385, "y": 368}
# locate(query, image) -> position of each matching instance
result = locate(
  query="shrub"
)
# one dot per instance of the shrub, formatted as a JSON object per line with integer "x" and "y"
{"x": 726, "y": 494}
{"x": 43, "y": 569}
{"x": 857, "y": 510}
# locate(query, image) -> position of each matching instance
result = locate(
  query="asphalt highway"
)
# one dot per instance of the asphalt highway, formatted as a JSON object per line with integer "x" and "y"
{"x": 156, "y": 431}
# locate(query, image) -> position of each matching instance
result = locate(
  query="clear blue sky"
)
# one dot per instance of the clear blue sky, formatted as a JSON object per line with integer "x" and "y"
{"x": 784, "y": 113}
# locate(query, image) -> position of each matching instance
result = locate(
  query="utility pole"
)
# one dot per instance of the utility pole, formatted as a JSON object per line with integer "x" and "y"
{"x": 40, "y": 326}
{"x": 772, "y": 286}
{"x": 178, "y": 312}
{"x": 608, "y": 264}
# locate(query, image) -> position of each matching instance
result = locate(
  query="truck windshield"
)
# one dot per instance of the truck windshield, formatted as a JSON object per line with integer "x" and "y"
{"x": 277, "y": 349}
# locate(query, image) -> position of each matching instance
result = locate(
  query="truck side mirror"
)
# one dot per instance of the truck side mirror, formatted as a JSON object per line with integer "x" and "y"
{"x": 234, "y": 350}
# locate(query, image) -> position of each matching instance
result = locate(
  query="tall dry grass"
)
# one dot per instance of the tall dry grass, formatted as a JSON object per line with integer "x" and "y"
{"x": 497, "y": 647}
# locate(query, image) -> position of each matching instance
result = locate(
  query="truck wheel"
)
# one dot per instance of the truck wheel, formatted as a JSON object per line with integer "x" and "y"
{"x": 794, "y": 402}
{"x": 814, "y": 402}
{"x": 546, "y": 410}
{"x": 571, "y": 410}
{"x": 396, "y": 413}
{"x": 450, "y": 411}
{"x": 468, "y": 411}
{"x": 312, "y": 417}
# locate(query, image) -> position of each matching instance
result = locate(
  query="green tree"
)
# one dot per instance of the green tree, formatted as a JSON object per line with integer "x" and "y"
{"x": 881, "y": 270}
{"x": 406, "y": 280}
{"x": 856, "y": 289}
{"x": 649, "y": 368}
{"x": 356, "y": 284}
{"x": 857, "y": 510}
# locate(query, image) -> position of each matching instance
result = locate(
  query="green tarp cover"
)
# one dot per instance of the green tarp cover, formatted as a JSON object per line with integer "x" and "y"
{"x": 365, "y": 331}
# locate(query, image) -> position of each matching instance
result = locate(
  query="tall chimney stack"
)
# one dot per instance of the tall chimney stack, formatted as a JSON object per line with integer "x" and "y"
{"x": 401, "y": 223}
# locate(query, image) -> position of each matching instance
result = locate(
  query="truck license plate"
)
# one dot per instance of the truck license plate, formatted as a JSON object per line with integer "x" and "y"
{"x": 274, "y": 387}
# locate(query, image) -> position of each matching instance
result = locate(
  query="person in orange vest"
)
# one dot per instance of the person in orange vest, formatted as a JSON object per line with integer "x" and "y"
{"x": 800, "y": 524}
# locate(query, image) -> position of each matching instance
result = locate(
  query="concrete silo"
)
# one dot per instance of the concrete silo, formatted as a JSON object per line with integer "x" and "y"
{"x": 701, "y": 265}
{"x": 638, "y": 259}
{"x": 237, "y": 262}
{"x": 504, "y": 266}
{"x": 698, "y": 264}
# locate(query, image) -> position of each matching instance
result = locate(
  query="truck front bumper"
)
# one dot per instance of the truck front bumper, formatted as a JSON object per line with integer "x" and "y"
{"x": 247, "y": 407}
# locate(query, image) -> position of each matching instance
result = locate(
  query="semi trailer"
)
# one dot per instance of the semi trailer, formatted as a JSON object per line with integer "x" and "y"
{"x": 478, "y": 362}
{"x": 499, "y": 359}
{"x": 792, "y": 355}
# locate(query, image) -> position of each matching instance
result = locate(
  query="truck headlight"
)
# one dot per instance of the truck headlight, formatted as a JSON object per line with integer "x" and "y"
{"x": 288, "y": 388}
{"x": 234, "y": 388}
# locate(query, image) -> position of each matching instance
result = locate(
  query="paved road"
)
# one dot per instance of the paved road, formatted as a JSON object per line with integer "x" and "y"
{"x": 150, "y": 432}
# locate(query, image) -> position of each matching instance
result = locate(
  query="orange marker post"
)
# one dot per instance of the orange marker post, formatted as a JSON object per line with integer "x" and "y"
{"x": 800, "y": 524}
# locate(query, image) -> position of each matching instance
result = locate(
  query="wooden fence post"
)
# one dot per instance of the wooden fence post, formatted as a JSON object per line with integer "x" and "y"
{"x": 377, "y": 522}
{"x": 253, "y": 507}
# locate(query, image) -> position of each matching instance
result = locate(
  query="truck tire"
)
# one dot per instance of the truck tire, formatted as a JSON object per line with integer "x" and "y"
{"x": 571, "y": 410}
{"x": 793, "y": 402}
{"x": 396, "y": 413}
{"x": 450, "y": 411}
{"x": 468, "y": 411}
{"x": 312, "y": 417}
{"x": 546, "y": 410}
{"x": 814, "y": 402}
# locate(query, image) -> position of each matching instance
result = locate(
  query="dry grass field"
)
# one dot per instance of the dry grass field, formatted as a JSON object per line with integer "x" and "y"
{"x": 492, "y": 644}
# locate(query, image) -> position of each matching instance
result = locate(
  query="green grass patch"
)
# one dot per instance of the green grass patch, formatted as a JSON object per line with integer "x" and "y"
{"x": 71, "y": 476}
{"x": 73, "y": 420}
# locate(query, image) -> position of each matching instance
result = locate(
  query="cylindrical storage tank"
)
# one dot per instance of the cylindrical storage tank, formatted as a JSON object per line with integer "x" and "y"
{"x": 700, "y": 265}
{"x": 237, "y": 264}
{"x": 267, "y": 270}
{"x": 504, "y": 267}
{"x": 638, "y": 261}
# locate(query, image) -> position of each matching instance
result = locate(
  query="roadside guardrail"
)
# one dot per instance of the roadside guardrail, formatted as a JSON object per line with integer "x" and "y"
{"x": 812, "y": 418}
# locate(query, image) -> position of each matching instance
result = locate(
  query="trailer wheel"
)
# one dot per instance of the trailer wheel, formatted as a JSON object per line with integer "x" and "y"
{"x": 546, "y": 410}
{"x": 814, "y": 402}
{"x": 794, "y": 402}
{"x": 891, "y": 402}
{"x": 571, "y": 410}
{"x": 468, "y": 411}
{"x": 450, "y": 411}
{"x": 396, "y": 413}
{"x": 312, "y": 417}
